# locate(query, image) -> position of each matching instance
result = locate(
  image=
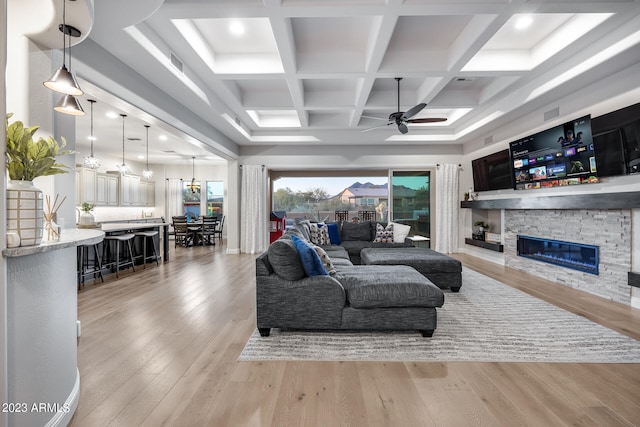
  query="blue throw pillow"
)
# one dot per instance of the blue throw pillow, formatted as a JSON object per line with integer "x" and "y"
{"x": 310, "y": 259}
{"x": 334, "y": 234}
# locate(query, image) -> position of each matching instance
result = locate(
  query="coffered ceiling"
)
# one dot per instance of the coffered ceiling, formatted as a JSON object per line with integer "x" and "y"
{"x": 295, "y": 72}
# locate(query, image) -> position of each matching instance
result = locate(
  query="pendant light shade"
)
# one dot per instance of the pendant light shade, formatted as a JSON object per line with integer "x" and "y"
{"x": 63, "y": 80}
{"x": 123, "y": 168}
{"x": 147, "y": 173}
{"x": 69, "y": 104}
{"x": 194, "y": 186}
{"x": 91, "y": 161}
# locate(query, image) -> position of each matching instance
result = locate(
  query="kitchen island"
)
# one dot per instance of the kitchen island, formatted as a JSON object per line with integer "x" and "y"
{"x": 126, "y": 227}
{"x": 42, "y": 329}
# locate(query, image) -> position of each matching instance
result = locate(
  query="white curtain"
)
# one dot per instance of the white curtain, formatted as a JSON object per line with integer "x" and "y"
{"x": 173, "y": 198}
{"x": 253, "y": 210}
{"x": 447, "y": 208}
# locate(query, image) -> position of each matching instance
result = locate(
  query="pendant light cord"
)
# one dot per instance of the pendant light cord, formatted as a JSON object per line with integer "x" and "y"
{"x": 92, "y": 101}
{"x": 64, "y": 33}
{"x": 147, "y": 126}
{"x": 123, "y": 116}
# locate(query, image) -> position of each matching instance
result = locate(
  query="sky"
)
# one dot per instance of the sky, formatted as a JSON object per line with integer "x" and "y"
{"x": 333, "y": 186}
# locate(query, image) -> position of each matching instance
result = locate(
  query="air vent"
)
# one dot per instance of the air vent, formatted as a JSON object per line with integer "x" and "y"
{"x": 177, "y": 63}
{"x": 551, "y": 114}
{"x": 488, "y": 140}
{"x": 464, "y": 79}
{"x": 134, "y": 139}
{"x": 169, "y": 152}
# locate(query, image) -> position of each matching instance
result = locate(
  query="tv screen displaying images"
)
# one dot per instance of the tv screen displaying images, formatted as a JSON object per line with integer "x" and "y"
{"x": 560, "y": 156}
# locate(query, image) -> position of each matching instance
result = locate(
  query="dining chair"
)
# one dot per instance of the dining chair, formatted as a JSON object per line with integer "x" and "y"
{"x": 207, "y": 230}
{"x": 183, "y": 236}
{"x": 218, "y": 229}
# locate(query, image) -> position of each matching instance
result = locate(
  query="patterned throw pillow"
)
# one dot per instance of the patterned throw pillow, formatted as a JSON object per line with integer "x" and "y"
{"x": 319, "y": 234}
{"x": 384, "y": 234}
{"x": 326, "y": 261}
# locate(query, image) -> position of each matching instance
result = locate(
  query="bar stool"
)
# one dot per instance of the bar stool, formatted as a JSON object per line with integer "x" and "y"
{"x": 121, "y": 238}
{"x": 83, "y": 264}
{"x": 148, "y": 235}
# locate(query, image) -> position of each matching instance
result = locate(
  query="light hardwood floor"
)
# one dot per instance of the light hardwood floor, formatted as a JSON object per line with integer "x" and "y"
{"x": 160, "y": 347}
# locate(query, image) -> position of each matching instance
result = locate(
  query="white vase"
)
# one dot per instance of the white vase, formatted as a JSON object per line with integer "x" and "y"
{"x": 87, "y": 218}
{"x": 24, "y": 212}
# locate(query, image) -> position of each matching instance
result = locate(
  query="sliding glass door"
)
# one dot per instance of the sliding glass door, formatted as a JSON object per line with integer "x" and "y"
{"x": 411, "y": 200}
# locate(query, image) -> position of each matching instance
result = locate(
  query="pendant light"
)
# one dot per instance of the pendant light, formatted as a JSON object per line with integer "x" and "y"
{"x": 123, "y": 168}
{"x": 194, "y": 186}
{"x": 63, "y": 80}
{"x": 147, "y": 173}
{"x": 91, "y": 161}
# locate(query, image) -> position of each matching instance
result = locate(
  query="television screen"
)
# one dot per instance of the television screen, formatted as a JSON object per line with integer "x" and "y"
{"x": 492, "y": 172}
{"x": 616, "y": 139}
{"x": 562, "y": 155}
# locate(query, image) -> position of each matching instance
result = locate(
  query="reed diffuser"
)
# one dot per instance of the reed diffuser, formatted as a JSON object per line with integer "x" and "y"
{"x": 51, "y": 229}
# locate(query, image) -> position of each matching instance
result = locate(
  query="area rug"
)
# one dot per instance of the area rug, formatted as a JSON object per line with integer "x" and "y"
{"x": 486, "y": 321}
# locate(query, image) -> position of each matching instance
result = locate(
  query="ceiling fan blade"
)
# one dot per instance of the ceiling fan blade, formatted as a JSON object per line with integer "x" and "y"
{"x": 428, "y": 120}
{"x": 403, "y": 128}
{"x": 375, "y": 127}
{"x": 375, "y": 118}
{"x": 413, "y": 111}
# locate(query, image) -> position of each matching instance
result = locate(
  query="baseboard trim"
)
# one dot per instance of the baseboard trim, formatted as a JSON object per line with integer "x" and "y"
{"x": 62, "y": 418}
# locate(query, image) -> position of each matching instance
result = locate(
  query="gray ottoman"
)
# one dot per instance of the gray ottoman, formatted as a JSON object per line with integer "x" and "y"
{"x": 440, "y": 269}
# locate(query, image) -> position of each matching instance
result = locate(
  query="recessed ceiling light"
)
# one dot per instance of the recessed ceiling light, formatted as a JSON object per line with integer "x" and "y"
{"x": 112, "y": 115}
{"x": 523, "y": 22}
{"x": 162, "y": 137}
{"x": 237, "y": 28}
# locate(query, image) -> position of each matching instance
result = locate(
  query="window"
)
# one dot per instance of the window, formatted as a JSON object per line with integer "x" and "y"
{"x": 318, "y": 195}
{"x": 215, "y": 197}
{"x": 191, "y": 199}
{"x": 412, "y": 200}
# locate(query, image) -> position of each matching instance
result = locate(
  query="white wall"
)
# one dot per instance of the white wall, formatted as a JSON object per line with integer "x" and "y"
{"x": 3, "y": 241}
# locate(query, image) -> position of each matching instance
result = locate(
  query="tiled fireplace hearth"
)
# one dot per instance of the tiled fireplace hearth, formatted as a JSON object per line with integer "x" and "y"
{"x": 609, "y": 230}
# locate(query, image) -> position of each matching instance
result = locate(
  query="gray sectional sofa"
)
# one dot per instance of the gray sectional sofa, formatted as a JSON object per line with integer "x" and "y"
{"x": 373, "y": 297}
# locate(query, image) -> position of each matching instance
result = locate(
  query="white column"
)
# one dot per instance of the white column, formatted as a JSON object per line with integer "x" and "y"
{"x": 232, "y": 200}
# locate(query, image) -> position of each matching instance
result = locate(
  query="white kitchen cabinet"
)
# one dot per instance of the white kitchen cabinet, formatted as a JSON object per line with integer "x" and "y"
{"x": 107, "y": 189}
{"x": 147, "y": 193}
{"x": 86, "y": 185}
{"x": 130, "y": 190}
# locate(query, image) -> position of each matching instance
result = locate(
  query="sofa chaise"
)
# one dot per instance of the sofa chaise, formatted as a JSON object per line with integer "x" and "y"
{"x": 353, "y": 297}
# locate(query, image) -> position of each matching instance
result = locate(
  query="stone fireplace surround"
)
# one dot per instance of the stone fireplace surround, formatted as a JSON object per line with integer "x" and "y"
{"x": 608, "y": 229}
{"x": 608, "y": 220}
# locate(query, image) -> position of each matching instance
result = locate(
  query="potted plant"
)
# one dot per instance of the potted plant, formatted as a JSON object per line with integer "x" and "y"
{"x": 27, "y": 159}
{"x": 87, "y": 218}
{"x": 482, "y": 226}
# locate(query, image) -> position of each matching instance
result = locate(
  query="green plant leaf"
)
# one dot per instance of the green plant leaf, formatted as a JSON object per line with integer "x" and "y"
{"x": 27, "y": 159}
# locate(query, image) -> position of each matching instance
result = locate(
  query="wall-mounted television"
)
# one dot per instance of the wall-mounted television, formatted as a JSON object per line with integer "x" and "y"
{"x": 492, "y": 172}
{"x": 616, "y": 139}
{"x": 562, "y": 155}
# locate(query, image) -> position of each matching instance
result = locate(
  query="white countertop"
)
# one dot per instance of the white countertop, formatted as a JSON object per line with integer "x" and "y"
{"x": 69, "y": 237}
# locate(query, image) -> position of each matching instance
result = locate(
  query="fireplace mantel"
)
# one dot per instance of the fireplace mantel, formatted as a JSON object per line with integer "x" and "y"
{"x": 626, "y": 200}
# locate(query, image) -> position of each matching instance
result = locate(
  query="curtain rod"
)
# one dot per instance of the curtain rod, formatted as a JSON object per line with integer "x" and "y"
{"x": 260, "y": 165}
{"x": 438, "y": 165}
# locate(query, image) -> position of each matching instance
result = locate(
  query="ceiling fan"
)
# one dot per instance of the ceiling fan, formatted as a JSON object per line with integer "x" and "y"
{"x": 401, "y": 118}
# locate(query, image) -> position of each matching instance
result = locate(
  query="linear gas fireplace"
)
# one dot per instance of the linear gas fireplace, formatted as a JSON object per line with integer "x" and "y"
{"x": 577, "y": 256}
